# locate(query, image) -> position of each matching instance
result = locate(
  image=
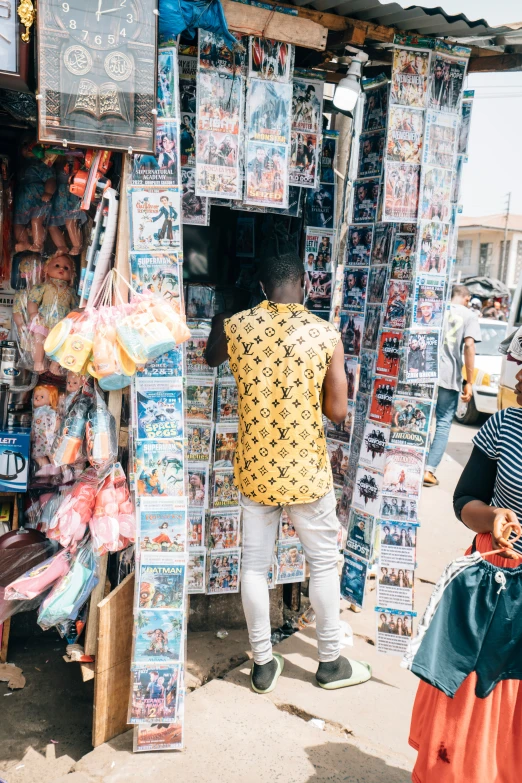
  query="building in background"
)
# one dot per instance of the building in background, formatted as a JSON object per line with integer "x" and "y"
{"x": 480, "y": 248}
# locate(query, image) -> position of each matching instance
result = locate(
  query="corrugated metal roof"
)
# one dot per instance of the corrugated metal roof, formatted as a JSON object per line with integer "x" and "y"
{"x": 415, "y": 18}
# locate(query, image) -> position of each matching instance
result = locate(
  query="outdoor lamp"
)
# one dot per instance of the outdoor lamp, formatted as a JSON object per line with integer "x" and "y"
{"x": 349, "y": 88}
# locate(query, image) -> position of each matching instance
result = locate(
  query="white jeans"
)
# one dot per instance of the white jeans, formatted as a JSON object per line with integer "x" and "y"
{"x": 316, "y": 525}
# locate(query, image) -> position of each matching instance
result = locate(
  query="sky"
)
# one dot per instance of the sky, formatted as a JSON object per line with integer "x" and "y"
{"x": 494, "y": 166}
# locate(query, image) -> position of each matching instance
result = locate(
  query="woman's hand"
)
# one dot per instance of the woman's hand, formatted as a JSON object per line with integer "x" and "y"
{"x": 505, "y": 523}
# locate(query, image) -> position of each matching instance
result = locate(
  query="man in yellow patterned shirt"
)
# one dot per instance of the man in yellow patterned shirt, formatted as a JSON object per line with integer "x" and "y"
{"x": 289, "y": 368}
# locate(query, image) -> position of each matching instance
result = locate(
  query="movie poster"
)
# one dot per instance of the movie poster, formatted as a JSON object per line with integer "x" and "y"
{"x": 224, "y": 571}
{"x": 195, "y": 210}
{"x": 158, "y": 736}
{"x": 328, "y": 155}
{"x": 422, "y": 355}
{"x": 351, "y": 366}
{"x": 446, "y": 82}
{"x": 375, "y": 106}
{"x": 227, "y": 400}
{"x": 199, "y": 442}
{"x": 167, "y": 83}
{"x": 339, "y": 454}
{"x": 465, "y": 123}
{"x": 351, "y": 328}
{"x": 360, "y": 533}
{"x": 158, "y": 635}
{"x": 377, "y": 284}
{"x": 401, "y": 191}
{"x": 215, "y": 56}
{"x": 195, "y": 362}
{"x": 197, "y": 485}
{"x": 367, "y": 489}
{"x": 225, "y": 445}
{"x": 397, "y": 304}
{"x": 428, "y": 301}
{"x": 188, "y": 108}
{"x": 290, "y": 562}
{"x": 159, "y": 468}
{"x": 319, "y": 295}
{"x": 355, "y": 285}
{"x": 162, "y": 525}
{"x": 303, "y": 159}
{"x": 403, "y": 472}
{"x": 154, "y": 694}
{"x": 382, "y": 243}
{"x": 159, "y": 407}
{"x": 405, "y": 135}
{"x": 393, "y": 508}
{"x": 389, "y": 353}
{"x": 441, "y": 137}
{"x": 371, "y": 154}
{"x": 266, "y": 173}
{"x": 217, "y": 163}
{"x": 307, "y": 121}
{"x": 219, "y": 102}
{"x": 366, "y": 370}
{"x": 154, "y": 219}
{"x": 196, "y": 568}
{"x": 156, "y": 273}
{"x": 223, "y": 529}
{"x": 168, "y": 365}
{"x": 382, "y": 399}
{"x": 271, "y": 60}
{"x": 395, "y": 587}
{"x": 410, "y": 72}
{"x": 372, "y": 320}
{"x": 196, "y": 527}
{"x": 359, "y": 245}
{"x": 398, "y": 543}
{"x": 353, "y": 579}
{"x": 403, "y": 257}
{"x": 224, "y": 491}
{"x": 375, "y": 439}
{"x": 318, "y": 250}
{"x": 410, "y": 422}
{"x": 161, "y": 584}
{"x": 394, "y": 630}
{"x": 365, "y": 200}
{"x": 342, "y": 431}
{"x": 163, "y": 167}
{"x": 199, "y": 399}
{"x": 435, "y": 194}
{"x": 269, "y": 112}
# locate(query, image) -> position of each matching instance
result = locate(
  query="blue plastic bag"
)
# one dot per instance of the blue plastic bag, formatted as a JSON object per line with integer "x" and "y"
{"x": 178, "y": 16}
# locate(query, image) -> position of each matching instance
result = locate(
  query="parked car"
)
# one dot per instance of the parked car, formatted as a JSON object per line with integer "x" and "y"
{"x": 506, "y": 393}
{"x": 488, "y": 364}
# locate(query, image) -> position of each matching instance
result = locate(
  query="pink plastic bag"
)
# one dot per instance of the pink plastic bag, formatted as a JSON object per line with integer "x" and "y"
{"x": 71, "y": 520}
{"x": 112, "y": 525}
{"x": 39, "y": 578}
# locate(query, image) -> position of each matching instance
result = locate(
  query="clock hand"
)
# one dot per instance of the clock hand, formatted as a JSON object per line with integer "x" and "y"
{"x": 108, "y": 11}
{"x": 98, "y": 12}
{"x": 5, "y": 39}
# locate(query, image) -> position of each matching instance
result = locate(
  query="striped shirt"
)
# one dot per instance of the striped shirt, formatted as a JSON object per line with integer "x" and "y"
{"x": 501, "y": 439}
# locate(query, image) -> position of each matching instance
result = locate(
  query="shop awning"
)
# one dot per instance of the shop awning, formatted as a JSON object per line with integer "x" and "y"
{"x": 485, "y": 286}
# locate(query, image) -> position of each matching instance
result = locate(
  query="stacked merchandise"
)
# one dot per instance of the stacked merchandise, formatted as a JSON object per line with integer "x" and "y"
{"x": 157, "y": 436}
{"x": 396, "y": 287}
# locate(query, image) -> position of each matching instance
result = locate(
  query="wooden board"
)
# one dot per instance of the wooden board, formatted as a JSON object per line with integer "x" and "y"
{"x": 7, "y": 623}
{"x": 297, "y": 30}
{"x": 112, "y": 666}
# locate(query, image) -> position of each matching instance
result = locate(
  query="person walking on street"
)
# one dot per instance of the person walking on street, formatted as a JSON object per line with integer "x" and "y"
{"x": 289, "y": 368}
{"x": 461, "y": 332}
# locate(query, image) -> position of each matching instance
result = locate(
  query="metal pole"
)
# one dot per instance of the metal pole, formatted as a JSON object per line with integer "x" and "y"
{"x": 503, "y": 270}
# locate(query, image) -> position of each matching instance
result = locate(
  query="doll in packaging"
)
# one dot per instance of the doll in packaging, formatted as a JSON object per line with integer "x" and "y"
{"x": 35, "y": 189}
{"x": 49, "y": 302}
{"x": 29, "y": 269}
{"x": 65, "y": 211}
{"x": 44, "y": 426}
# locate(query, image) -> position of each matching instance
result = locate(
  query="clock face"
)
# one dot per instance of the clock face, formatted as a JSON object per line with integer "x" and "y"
{"x": 100, "y": 24}
{"x": 8, "y": 36}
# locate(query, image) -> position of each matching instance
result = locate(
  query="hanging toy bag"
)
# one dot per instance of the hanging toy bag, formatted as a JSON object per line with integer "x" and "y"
{"x": 111, "y": 365}
{"x": 70, "y": 342}
{"x": 69, "y": 524}
{"x": 102, "y": 441}
{"x": 68, "y": 445}
{"x": 112, "y": 525}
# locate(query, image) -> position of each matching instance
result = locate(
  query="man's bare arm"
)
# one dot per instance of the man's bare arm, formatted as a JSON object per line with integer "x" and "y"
{"x": 335, "y": 388}
{"x": 216, "y": 352}
{"x": 469, "y": 363}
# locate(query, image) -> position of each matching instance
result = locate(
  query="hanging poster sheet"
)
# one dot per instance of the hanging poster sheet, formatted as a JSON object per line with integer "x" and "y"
{"x": 245, "y": 237}
{"x": 188, "y": 105}
{"x": 320, "y": 207}
{"x": 338, "y": 453}
{"x": 290, "y": 562}
{"x": 382, "y": 399}
{"x": 342, "y": 431}
{"x": 167, "y": 83}
{"x": 158, "y": 635}
{"x": 223, "y": 528}
{"x": 217, "y": 164}
{"x": 389, "y": 352}
{"x": 398, "y": 544}
{"x": 266, "y": 173}
{"x": 428, "y": 301}
{"x": 402, "y": 509}
{"x": 225, "y": 445}
{"x": 440, "y": 141}
{"x": 371, "y": 154}
{"x": 216, "y": 56}
{"x": 372, "y": 320}
{"x": 224, "y": 571}
{"x": 307, "y": 120}
{"x": 355, "y": 285}
{"x": 197, "y": 485}
{"x": 410, "y": 422}
{"x": 199, "y": 442}
{"x": 465, "y": 122}
{"x": 405, "y": 134}
{"x": 159, "y": 468}
{"x": 271, "y": 60}
{"x": 195, "y": 348}
{"x": 457, "y": 180}
{"x": 421, "y": 355}
{"x": 360, "y": 533}
{"x": 373, "y": 446}
{"x": 365, "y": 200}
{"x": 304, "y": 153}
{"x": 351, "y": 328}
{"x": 401, "y": 191}
{"x": 156, "y": 273}
{"x": 199, "y": 399}
{"x": 158, "y": 736}
{"x": 161, "y": 583}
{"x": 353, "y": 579}
{"x": 163, "y": 167}
{"x": 367, "y": 489}
{"x": 318, "y": 250}
{"x": 195, "y": 210}
{"x": 375, "y": 105}
{"x": 394, "y": 630}
{"x": 201, "y": 300}
{"x": 154, "y": 218}
{"x": 359, "y": 245}
{"x": 287, "y": 531}
{"x": 225, "y": 494}
{"x": 447, "y": 77}
{"x": 295, "y": 207}
{"x": 196, "y": 568}
{"x": 351, "y": 366}
{"x": 154, "y": 693}
{"x": 269, "y": 112}
{"x": 403, "y": 472}
{"x": 162, "y": 525}
{"x": 378, "y": 277}
{"x": 435, "y": 194}
{"x": 366, "y": 370}
{"x": 382, "y": 243}
{"x": 227, "y": 401}
{"x": 159, "y": 408}
{"x": 410, "y": 72}
{"x": 403, "y": 257}
{"x": 433, "y": 248}
{"x": 395, "y": 587}
{"x": 397, "y": 304}
{"x": 319, "y": 296}
{"x": 328, "y": 157}
{"x": 196, "y": 527}
{"x": 168, "y": 365}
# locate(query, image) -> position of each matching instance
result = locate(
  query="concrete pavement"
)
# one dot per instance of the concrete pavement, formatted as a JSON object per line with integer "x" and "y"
{"x": 233, "y": 734}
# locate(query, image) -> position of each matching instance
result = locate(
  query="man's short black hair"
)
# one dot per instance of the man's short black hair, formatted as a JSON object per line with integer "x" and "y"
{"x": 278, "y": 270}
{"x": 460, "y": 290}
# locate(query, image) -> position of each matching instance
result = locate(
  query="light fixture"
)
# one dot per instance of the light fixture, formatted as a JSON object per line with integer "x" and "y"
{"x": 349, "y": 88}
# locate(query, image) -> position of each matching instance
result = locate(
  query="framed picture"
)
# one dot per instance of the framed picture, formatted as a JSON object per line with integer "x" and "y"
{"x": 97, "y": 73}
{"x": 14, "y": 53}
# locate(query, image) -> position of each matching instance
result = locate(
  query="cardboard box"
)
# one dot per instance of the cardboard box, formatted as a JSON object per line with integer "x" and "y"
{"x": 14, "y": 460}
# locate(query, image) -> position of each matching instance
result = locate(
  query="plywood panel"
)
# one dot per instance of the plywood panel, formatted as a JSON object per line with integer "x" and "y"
{"x": 296, "y": 30}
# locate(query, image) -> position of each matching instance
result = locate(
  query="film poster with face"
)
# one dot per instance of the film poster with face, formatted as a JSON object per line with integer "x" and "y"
{"x": 405, "y": 135}
{"x": 320, "y": 206}
{"x": 367, "y": 489}
{"x": 441, "y": 138}
{"x": 447, "y": 81}
{"x": 188, "y": 109}
{"x": 318, "y": 250}
{"x": 433, "y": 251}
{"x": 375, "y": 107}
{"x": 195, "y": 210}
{"x": 394, "y": 630}
{"x": 375, "y": 439}
{"x": 382, "y": 243}
{"x": 215, "y": 55}
{"x": 353, "y": 578}
{"x": 328, "y": 157}
{"x": 163, "y": 167}
{"x": 389, "y": 352}
{"x": 410, "y": 73}
{"x": 401, "y": 191}
{"x": 371, "y": 154}
{"x": 359, "y": 245}
{"x": 360, "y": 533}
{"x": 270, "y": 60}
{"x": 307, "y": 120}
{"x": 435, "y": 194}
{"x": 382, "y": 399}
{"x": 155, "y": 216}
{"x": 403, "y": 257}
{"x": 422, "y": 355}
{"x": 397, "y": 304}
{"x": 403, "y": 471}
{"x": 428, "y": 303}
{"x": 365, "y": 200}
{"x": 167, "y": 95}
{"x": 410, "y": 422}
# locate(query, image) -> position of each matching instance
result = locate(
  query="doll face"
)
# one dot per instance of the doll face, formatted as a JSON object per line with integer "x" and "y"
{"x": 41, "y": 397}
{"x": 60, "y": 268}
{"x": 73, "y": 382}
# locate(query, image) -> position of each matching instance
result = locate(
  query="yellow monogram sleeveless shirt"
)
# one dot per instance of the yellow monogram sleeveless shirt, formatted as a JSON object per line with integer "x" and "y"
{"x": 279, "y": 355}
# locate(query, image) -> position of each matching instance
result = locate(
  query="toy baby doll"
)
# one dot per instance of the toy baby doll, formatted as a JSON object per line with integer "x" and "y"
{"x": 32, "y": 204}
{"x": 49, "y": 302}
{"x": 65, "y": 211}
{"x": 44, "y": 426}
{"x": 30, "y": 273}
{"x": 73, "y": 383}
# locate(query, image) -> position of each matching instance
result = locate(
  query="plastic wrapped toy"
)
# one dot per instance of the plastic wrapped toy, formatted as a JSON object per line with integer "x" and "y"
{"x": 28, "y": 271}
{"x": 152, "y": 328}
{"x": 65, "y": 210}
{"x": 44, "y": 425}
{"x": 70, "y": 342}
{"x": 70, "y": 522}
{"x": 39, "y": 578}
{"x": 49, "y": 302}
{"x": 112, "y": 525}
{"x": 102, "y": 443}
{"x": 67, "y": 446}
{"x": 34, "y": 191}
{"x": 72, "y": 590}
{"x": 110, "y": 365}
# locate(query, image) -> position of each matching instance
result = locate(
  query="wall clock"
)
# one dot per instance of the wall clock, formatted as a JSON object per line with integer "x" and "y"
{"x": 97, "y": 73}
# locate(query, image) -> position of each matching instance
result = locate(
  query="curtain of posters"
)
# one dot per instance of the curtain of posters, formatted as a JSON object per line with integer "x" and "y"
{"x": 307, "y": 127}
{"x": 220, "y": 90}
{"x": 391, "y": 327}
{"x": 157, "y": 438}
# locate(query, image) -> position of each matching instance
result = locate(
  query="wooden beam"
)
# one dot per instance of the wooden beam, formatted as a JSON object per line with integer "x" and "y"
{"x": 502, "y": 62}
{"x": 250, "y": 20}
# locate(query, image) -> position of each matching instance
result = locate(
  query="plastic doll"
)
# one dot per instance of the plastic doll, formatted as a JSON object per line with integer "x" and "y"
{"x": 49, "y": 302}
{"x": 65, "y": 211}
{"x": 30, "y": 273}
{"x": 36, "y": 186}
{"x": 44, "y": 426}
{"x": 73, "y": 383}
